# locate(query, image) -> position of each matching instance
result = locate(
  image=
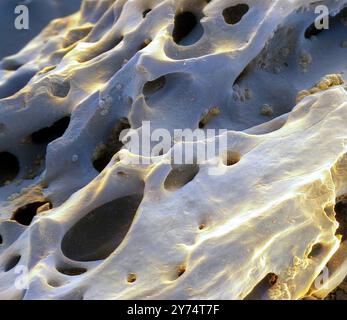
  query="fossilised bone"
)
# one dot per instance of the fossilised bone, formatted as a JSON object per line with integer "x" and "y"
{"x": 197, "y": 236}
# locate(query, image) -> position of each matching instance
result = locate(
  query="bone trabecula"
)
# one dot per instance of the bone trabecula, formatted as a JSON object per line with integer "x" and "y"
{"x": 82, "y": 217}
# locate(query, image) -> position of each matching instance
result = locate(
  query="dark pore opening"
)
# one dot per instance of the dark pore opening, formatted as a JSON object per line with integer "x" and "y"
{"x": 260, "y": 291}
{"x": 113, "y": 145}
{"x": 101, "y": 231}
{"x": 312, "y": 31}
{"x": 147, "y": 11}
{"x": 152, "y": 87}
{"x": 234, "y": 14}
{"x": 49, "y": 134}
{"x": 341, "y": 217}
{"x": 180, "y": 176}
{"x": 9, "y": 167}
{"x": 231, "y": 158}
{"x": 12, "y": 262}
{"x": 185, "y": 22}
{"x": 334, "y": 21}
{"x": 25, "y": 215}
{"x": 316, "y": 250}
{"x": 72, "y": 271}
{"x": 132, "y": 277}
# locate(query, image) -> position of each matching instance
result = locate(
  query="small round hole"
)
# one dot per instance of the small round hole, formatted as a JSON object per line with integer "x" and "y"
{"x": 202, "y": 226}
{"x": 180, "y": 176}
{"x": 231, "y": 158}
{"x": 131, "y": 277}
{"x": 181, "y": 270}
{"x": 54, "y": 283}
{"x": 12, "y": 263}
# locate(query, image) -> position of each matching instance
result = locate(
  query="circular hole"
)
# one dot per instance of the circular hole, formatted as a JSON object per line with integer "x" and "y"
{"x": 180, "y": 176}
{"x": 12, "y": 263}
{"x": 9, "y": 167}
{"x": 54, "y": 283}
{"x": 131, "y": 277}
{"x": 234, "y": 14}
{"x": 152, "y": 87}
{"x": 202, "y": 226}
{"x": 231, "y": 158}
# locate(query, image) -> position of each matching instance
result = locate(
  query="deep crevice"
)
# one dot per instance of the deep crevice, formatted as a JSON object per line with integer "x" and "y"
{"x": 114, "y": 144}
{"x": 72, "y": 271}
{"x": 9, "y": 167}
{"x": 49, "y": 134}
{"x": 260, "y": 291}
{"x": 341, "y": 217}
{"x": 185, "y": 23}
{"x": 145, "y": 12}
{"x": 25, "y": 214}
{"x": 312, "y": 31}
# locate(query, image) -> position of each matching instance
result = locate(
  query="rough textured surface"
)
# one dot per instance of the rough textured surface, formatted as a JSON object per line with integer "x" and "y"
{"x": 266, "y": 229}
